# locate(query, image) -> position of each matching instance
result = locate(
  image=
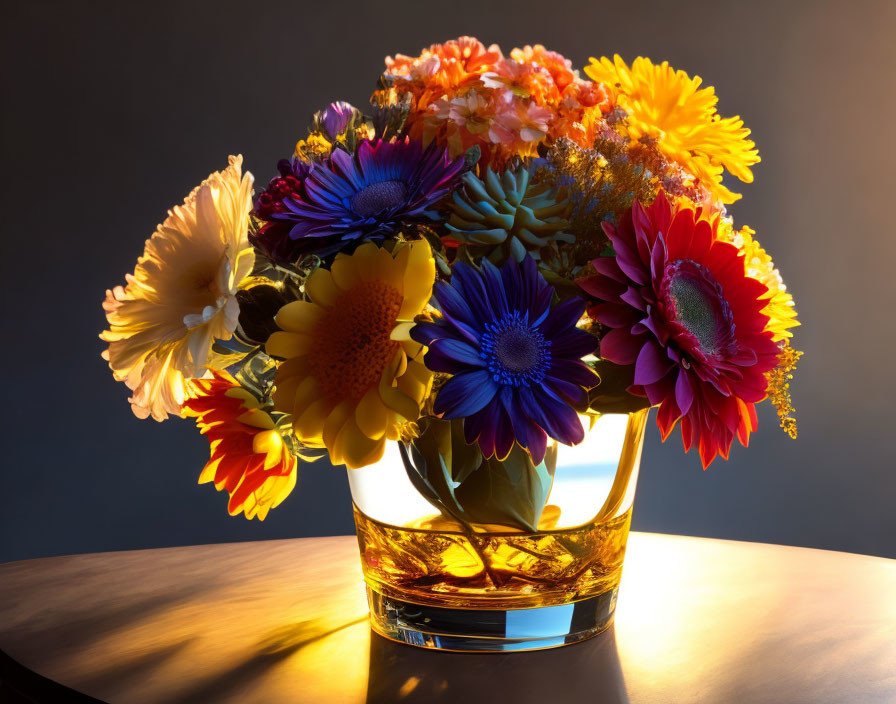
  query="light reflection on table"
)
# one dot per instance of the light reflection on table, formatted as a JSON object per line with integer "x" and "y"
{"x": 698, "y": 620}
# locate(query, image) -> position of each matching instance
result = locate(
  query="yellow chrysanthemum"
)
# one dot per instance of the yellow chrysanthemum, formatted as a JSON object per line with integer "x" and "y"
{"x": 181, "y": 295}
{"x": 352, "y": 376}
{"x": 669, "y": 106}
{"x": 780, "y": 308}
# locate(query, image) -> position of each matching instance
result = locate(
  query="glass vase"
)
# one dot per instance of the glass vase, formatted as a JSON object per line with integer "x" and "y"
{"x": 504, "y": 556}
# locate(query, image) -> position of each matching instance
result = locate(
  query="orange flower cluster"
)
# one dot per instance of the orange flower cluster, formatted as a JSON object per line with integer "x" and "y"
{"x": 248, "y": 456}
{"x": 464, "y": 94}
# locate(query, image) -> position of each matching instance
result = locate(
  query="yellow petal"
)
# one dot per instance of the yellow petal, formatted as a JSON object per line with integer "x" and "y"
{"x": 297, "y": 366}
{"x": 309, "y": 423}
{"x": 298, "y": 316}
{"x": 306, "y": 393}
{"x": 290, "y": 374}
{"x": 208, "y": 472}
{"x": 400, "y": 254}
{"x": 394, "y": 398}
{"x": 285, "y": 393}
{"x": 390, "y": 271}
{"x": 365, "y": 260}
{"x": 402, "y": 365}
{"x": 256, "y": 419}
{"x": 413, "y": 306}
{"x": 414, "y": 350}
{"x": 371, "y": 415}
{"x": 287, "y": 344}
{"x": 416, "y": 382}
{"x": 249, "y": 401}
{"x": 356, "y": 449}
{"x": 270, "y": 444}
{"x": 344, "y": 272}
{"x": 333, "y": 424}
{"x": 402, "y": 332}
{"x": 321, "y": 288}
{"x": 420, "y": 272}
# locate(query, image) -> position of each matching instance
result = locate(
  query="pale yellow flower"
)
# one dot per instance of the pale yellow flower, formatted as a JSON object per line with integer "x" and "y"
{"x": 669, "y": 106}
{"x": 181, "y": 295}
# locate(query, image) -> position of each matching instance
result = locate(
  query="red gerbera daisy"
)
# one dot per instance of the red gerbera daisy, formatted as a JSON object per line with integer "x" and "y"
{"x": 681, "y": 309}
{"x": 248, "y": 456}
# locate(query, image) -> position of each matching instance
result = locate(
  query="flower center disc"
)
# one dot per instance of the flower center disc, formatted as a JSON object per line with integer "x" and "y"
{"x": 352, "y": 346}
{"x": 515, "y": 353}
{"x": 696, "y": 302}
{"x": 516, "y": 350}
{"x": 378, "y": 197}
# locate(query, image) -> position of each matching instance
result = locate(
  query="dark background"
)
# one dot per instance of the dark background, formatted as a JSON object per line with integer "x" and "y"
{"x": 114, "y": 111}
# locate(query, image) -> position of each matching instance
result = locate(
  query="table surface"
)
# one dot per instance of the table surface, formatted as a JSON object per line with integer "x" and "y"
{"x": 698, "y": 620}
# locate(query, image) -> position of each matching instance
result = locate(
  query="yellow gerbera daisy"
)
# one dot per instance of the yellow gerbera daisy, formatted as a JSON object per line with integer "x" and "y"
{"x": 182, "y": 293}
{"x": 670, "y": 107}
{"x": 352, "y": 376}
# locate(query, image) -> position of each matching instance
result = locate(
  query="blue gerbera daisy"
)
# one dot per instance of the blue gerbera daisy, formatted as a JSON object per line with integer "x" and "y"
{"x": 368, "y": 195}
{"x": 516, "y": 362}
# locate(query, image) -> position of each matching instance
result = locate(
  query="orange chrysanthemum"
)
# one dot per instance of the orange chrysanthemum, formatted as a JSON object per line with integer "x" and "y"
{"x": 248, "y": 456}
{"x": 465, "y": 95}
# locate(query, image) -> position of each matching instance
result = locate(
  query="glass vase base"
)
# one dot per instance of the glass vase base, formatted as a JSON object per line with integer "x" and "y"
{"x": 490, "y": 630}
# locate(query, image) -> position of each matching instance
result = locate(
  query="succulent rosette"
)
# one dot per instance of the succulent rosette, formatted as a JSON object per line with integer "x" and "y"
{"x": 508, "y": 214}
{"x": 497, "y": 252}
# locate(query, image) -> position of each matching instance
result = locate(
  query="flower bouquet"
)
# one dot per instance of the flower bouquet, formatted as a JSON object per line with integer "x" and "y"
{"x": 470, "y": 295}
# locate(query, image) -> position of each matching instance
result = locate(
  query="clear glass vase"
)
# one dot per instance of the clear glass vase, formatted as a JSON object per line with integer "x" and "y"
{"x": 505, "y": 557}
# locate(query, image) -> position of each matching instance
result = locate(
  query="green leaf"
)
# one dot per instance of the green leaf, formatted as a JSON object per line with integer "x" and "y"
{"x": 611, "y": 395}
{"x": 438, "y": 460}
{"x": 455, "y": 478}
{"x": 511, "y": 492}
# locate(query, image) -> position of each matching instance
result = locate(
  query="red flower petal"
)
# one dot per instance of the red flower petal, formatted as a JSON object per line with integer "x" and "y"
{"x": 620, "y": 346}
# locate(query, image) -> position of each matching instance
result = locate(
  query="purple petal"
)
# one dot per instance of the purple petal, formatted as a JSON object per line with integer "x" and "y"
{"x": 573, "y": 343}
{"x": 552, "y": 414}
{"x": 602, "y": 287}
{"x": 464, "y": 394}
{"x": 620, "y": 346}
{"x": 452, "y": 356}
{"x": 563, "y": 317}
{"x": 652, "y": 364}
{"x": 535, "y": 440}
{"x": 684, "y": 393}
{"x": 616, "y": 316}
{"x": 575, "y": 371}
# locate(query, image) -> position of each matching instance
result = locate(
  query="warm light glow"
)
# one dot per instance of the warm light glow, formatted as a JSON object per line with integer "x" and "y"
{"x": 582, "y": 481}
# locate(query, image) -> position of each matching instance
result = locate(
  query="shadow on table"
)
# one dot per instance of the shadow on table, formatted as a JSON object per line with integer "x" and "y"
{"x": 588, "y": 671}
{"x": 274, "y": 649}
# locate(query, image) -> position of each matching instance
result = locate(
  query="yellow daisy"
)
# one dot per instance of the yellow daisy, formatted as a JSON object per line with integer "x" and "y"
{"x": 352, "y": 377}
{"x": 780, "y": 308}
{"x": 182, "y": 294}
{"x": 670, "y": 107}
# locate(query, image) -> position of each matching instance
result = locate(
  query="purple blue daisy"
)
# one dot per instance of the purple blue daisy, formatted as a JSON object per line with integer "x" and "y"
{"x": 383, "y": 187}
{"x": 516, "y": 361}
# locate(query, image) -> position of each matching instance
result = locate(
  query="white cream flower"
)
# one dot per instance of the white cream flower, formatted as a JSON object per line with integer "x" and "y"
{"x": 181, "y": 295}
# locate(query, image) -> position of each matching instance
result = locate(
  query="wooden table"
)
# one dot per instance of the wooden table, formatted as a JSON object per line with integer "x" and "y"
{"x": 285, "y": 621}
